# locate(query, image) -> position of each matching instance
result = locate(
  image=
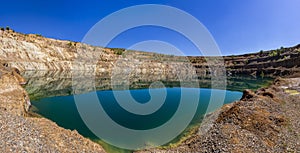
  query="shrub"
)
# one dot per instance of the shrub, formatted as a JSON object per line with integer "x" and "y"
{"x": 118, "y": 51}
{"x": 261, "y": 52}
{"x": 278, "y": 52}
{"x": 281, "y": 48}
{"x": 70, "y": 44}
{"x": 7, "y": 28}
{"x": 273, "y": 53}
{"x": 2, "y": 29}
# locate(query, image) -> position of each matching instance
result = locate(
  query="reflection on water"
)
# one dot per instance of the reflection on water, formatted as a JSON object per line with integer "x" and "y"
{"x": 41, "y": 84}
{"x": 51, "y": 95}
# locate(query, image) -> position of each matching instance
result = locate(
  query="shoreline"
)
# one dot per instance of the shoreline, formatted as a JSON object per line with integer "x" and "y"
{"x": 19, "y": 132}
{"x": 286, "y": 87}
{"x": 262, "y": 121}
{"x": 281, "y": 87}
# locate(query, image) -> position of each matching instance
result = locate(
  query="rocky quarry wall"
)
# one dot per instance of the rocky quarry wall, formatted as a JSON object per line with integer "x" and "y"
{"x": 34, "y": 52}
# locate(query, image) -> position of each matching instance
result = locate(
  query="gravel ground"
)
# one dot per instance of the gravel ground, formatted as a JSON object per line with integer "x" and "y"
{"x": 19, "y": 133}
{"x": 263, "y": 121}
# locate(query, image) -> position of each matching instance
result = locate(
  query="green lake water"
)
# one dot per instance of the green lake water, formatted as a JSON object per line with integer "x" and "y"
{"x": 58, "y": 105}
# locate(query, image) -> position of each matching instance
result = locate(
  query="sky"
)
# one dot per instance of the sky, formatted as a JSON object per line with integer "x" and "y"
{"x": 237, "y": 26}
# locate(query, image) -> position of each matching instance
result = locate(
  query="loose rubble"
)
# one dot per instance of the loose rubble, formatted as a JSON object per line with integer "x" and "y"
{"x": 21, "y": 133}
{"x": 263, "y": 121}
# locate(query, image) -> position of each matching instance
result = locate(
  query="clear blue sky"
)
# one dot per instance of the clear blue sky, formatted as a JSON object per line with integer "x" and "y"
{"x": 237, "y": 26}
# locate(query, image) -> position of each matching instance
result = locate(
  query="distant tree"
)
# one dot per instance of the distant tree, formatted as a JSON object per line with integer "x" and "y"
{"x": 2, "y": 29}
{"x": 7, "y": 28}
{"x": 281, "y": 48}
{"x": 261, "y": 52}
{"x": 278, "y": 52}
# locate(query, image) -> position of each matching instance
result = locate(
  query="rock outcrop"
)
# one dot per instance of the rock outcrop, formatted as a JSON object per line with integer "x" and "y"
{"x": 14, "y": 98}
{"x": 21, "y": 133}
{"x": 279, "y": 62}
{"x": 34, "y": 52}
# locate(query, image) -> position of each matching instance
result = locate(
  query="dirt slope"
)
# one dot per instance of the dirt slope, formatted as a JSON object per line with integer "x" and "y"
{"x": 263, "y": 121}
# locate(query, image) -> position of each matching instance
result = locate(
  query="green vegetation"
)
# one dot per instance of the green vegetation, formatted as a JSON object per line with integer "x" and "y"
{"x": 118, "y": 51}
{"x": 274, "y": 53}
{"x": 2, "y": 29}
{"x": 70, "y": 44}
{"x": 7, "y": 28}
{"x": 281, "y": 48}
{"x": 277, "y": 52}
{"x": 39, "y": 35}
{"x": 262, "y": 74}
{"x": 280, "y": 51}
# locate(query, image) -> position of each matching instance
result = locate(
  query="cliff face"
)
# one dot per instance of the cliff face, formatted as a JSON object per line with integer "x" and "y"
{"x": 279, "y": 62}
{"x": 34, "y": 52}
{"x": 21, "y": 133}
{"x": 13, "y": 97}
{"x": 283, "y": 61}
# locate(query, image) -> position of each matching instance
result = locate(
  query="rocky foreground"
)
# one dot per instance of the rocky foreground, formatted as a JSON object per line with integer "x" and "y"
{"x": 19, "y": 133}
{"x": 263, "y": 121}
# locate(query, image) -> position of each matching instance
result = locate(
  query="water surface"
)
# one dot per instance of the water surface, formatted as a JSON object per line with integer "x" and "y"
{"x": 52, "y": 97}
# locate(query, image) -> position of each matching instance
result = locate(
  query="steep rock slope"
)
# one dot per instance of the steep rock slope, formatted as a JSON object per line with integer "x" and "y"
{"x": 20, "y": 133}
{"x": 34, "y": 52}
